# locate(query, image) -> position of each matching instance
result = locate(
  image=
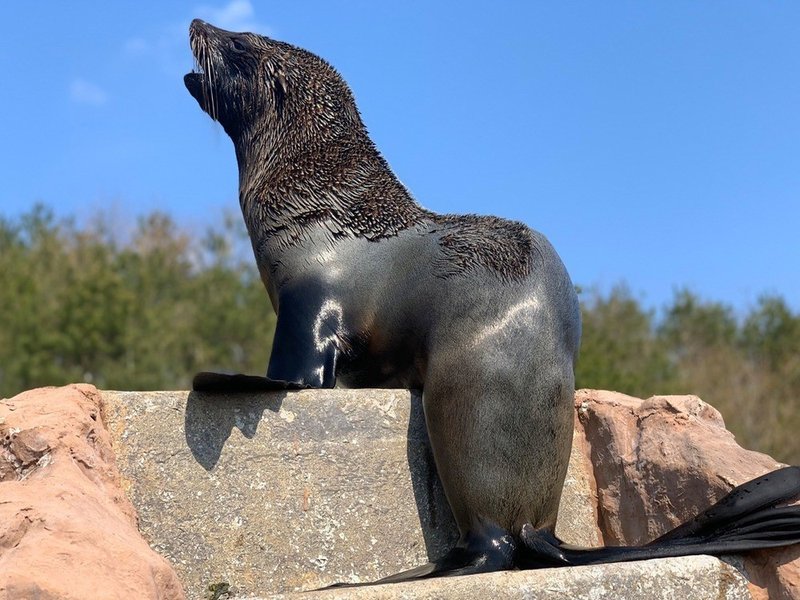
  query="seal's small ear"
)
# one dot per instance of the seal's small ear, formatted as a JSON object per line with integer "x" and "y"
{"x": 278, "y": 84}
{"x": 281, "y": 77}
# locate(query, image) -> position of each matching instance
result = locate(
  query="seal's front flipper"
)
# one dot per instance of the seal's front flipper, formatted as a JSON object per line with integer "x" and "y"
{"x": 307, "y": 335}
{"x": 748, "y": 518}
{"x": 304, "y": 350}
{"x": 221, "y": 383}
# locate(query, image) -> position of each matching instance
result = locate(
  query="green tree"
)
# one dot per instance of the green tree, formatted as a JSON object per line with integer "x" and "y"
{"x": 771, "y": 334}
{"x": 702, "y": 340}
{"x": 146, "y": 313}
{"x": 619, "y": 349}
{"x": 770, "y": 338}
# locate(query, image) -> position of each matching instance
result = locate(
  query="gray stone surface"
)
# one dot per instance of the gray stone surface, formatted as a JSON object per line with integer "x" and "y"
{"x": 294, "y": 491}
{"x": 689, "y": 578}
{"x": 284, "y": 491}
{"x": 577, "y": 512}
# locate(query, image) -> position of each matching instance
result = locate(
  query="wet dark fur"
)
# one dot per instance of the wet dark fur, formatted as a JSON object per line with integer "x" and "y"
{"x": 318, "y": 163}
{"x": 371, "y": 290}
{"x": 504, "y": 247}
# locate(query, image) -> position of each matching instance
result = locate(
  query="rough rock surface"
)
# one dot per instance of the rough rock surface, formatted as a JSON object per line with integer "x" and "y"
{"x": 67, "y": 530}
{"x": 658, "y": 462}
{"x": 293, "y": 491}
{"x": 685, "y": 578}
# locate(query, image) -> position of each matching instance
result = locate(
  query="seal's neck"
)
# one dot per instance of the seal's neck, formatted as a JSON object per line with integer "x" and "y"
{"x": 343, "y": 184}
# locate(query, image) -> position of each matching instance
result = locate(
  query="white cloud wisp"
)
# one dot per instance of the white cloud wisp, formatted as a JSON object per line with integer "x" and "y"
{"x": 86, "y": 92}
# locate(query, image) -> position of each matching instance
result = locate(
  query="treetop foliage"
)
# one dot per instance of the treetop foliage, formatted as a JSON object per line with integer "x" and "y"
{"x": 146, "y": 313}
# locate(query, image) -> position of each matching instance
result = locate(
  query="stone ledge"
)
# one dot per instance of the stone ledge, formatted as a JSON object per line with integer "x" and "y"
{"x": 294, "y": 491}
{"x": 687, "y": 578}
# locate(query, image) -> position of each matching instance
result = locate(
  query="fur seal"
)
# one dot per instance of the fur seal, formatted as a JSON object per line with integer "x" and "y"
{"x": 372, "y": 290}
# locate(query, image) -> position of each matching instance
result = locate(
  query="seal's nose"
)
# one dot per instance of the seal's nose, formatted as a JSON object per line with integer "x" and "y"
{"x": 198, "y": 25}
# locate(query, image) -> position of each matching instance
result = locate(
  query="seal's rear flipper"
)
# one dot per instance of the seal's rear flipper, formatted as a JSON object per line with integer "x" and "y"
{"x": 225, "y": 383}
{"x": 746, "y": 519}
{"x": 738, "y": 514}
{"x": 453, "y": 563}
{"x": 483, "y": 555}
{"x": 486, "y": 549}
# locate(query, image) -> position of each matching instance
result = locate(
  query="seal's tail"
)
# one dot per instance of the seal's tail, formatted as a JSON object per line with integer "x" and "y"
{"x": 748, "y": 518}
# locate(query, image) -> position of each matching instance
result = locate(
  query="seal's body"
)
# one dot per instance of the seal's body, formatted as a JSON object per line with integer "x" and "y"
{"x": 372, "y": 290}
{"x": 386, "y": 313}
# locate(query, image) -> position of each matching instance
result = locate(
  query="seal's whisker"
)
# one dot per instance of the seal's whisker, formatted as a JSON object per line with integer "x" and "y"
{"x": 208, "y": 89}
{"x": 210, "y": 77}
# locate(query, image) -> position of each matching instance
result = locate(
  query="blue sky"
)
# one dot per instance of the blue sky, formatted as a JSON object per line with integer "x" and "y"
{"x": 657, "y": 143}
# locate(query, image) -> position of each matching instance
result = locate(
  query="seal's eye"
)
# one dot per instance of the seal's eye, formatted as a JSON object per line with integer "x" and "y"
{"x": 238, "y": 45}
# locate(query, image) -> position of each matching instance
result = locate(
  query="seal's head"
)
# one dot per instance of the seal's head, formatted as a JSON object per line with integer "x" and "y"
{"x": 265, "y": 89}
{"x": 304, "y": 154}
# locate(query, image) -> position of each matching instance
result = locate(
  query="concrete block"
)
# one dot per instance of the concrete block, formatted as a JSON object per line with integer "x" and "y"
{"x": 284, "y": 491}
{"x": 686, "y": 578}
{"x": 294, "y": 491}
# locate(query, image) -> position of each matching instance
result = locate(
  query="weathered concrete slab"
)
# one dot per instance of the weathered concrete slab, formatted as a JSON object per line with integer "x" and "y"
{"x": 294, "y": 491}
{"x": 688, "y": 578}
{"x": 284, "y": 491}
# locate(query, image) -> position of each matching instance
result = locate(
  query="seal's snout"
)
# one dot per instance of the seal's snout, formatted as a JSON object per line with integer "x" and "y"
{"x": 198, "y": 30}
{"x": 198, "y": 25}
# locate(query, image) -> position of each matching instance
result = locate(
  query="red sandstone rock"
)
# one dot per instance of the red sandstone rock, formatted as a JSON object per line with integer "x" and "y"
{"x": 67, "y": 529}
{"x": 658, "y": 462}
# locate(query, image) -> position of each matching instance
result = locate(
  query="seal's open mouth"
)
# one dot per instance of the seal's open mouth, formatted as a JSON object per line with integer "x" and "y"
{"x": 194, "y": 81}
